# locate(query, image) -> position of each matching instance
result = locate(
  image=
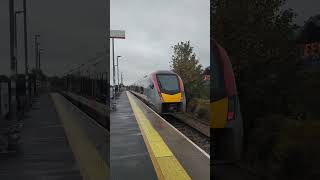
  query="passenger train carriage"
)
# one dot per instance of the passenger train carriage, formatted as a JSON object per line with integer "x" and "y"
{"x": 163, "y": 91}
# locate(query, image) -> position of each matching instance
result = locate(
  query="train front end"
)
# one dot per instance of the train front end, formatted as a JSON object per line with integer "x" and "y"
{"x": 170, "y": 92}
{"x": 226, "y": 119}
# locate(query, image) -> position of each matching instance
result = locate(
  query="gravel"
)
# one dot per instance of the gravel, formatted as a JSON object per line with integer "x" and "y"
{"x": 194, "y": 135}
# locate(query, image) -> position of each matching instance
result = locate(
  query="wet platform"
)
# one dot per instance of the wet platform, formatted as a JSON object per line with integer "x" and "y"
{"x": 45, "y": 152}
{"x": 129, "y": 156}
{"x": 171, "y": 155}
{"x": 89, "y": 141}
{"x": 58, "y": 142}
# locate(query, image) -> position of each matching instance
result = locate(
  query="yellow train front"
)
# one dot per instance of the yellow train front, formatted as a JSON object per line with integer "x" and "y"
{"x": 163, "y": 91}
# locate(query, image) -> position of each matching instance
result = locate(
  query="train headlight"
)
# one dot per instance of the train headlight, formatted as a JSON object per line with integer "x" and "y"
{"x": 161, "y": 99}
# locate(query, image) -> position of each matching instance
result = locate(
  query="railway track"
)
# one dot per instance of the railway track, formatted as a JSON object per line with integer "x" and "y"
{"x": 191, "y": 132}
{"x": 93, "y": 112}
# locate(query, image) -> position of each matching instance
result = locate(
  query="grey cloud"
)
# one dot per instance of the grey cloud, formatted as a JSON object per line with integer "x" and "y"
{"x": 72, "y": 31}
{"x": 152, "y": 27}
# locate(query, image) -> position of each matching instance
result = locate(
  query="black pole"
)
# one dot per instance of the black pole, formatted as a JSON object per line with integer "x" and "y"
{"x": 13, "y": 98}
{"x": 15, "y": 41}
{"x": 114, "y": 79}
{"x": 39, "y": 60}
{"x": 12, "y": 58}
{"x": 36, "y": 53}
{"x": 38, "y": 44}
{"x": 36, "y": 62}
{"x": 118, "y": 72}
{"x": 16, "y": 37}
{"x": 15, "y": 29}
{"x": 26, "y": 45}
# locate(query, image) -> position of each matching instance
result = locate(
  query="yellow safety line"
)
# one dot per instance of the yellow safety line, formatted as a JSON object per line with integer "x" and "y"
{"x": 92, "y": 165}
{"x": 165, "y": 163}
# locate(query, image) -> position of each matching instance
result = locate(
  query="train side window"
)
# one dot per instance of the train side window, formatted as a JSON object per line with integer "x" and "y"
{"x": 217, "y": 90}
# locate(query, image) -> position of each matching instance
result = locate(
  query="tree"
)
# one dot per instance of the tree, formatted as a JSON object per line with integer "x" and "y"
{"x": 185, "y": 63}
{"x": 258, "y": 38}
{"x": 257, "y": 35}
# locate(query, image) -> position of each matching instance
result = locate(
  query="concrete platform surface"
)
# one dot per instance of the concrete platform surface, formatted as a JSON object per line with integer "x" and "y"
{"x": 129, "y": 156}
{"x": 45, "y": 152}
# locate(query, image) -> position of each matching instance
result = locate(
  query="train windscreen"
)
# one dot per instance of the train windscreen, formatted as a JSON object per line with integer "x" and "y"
{"x": 168, "y": 83}
{"x": 218, "y": 90}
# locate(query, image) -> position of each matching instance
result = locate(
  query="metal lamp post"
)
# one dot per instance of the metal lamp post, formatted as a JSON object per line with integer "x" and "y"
{"x": 13, "y": 123}
{"x": 115, "y": 34}
{"x": 118, "y": 72}
{"x": 41, "y": 51}
{"x": 36, "y": 47}
{"x": 16, "y": 38}
{"x": 121, "y": 78}
{"x": 26, "y": 49}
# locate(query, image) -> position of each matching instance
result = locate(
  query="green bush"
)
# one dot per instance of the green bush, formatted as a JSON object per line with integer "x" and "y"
{"x": 199, "y": 108}
{"x": 192, "y": 105}
{"x": 203, "y": 113}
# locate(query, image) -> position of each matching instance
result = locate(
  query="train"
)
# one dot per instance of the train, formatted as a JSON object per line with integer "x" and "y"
{"x": 162, "y": 90}
{"x": 226, "y": 120}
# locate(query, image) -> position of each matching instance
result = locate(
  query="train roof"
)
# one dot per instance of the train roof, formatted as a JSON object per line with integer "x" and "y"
{"x": 164, "y": 72}
{"x": 155, "y": 72}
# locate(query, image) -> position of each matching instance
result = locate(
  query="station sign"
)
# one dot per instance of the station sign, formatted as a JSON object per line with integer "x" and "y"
{"x": 117, "y": 34}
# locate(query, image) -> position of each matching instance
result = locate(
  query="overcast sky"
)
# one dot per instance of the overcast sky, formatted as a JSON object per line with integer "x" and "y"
{"x": 72, "y": 31}
{"x": 304, "y": 9}
{"x": 152, "y": 27}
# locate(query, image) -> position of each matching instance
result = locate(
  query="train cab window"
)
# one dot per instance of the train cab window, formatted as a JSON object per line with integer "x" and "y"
{"x": 218, "y": 90}
{"x": 168, "y": 83}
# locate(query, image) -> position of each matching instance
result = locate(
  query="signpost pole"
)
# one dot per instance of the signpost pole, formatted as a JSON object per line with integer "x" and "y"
{"x": 113, "y": 77}
{"x": 119, "y": 35}
{"x": 118, "y": 73}
{"x": 26, "y": 49}
{"x": 13, "y": 135}
{"x": 121, "y": 78}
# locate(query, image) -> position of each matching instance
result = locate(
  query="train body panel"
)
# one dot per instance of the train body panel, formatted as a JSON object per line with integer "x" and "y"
{"x": 163, "y": 91}
{"x": 226, "y": 119}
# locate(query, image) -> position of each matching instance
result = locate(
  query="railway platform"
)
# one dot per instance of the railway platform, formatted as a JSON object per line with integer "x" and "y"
{"x": 56, "y": 139}
{"x": 145, "y": 146}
